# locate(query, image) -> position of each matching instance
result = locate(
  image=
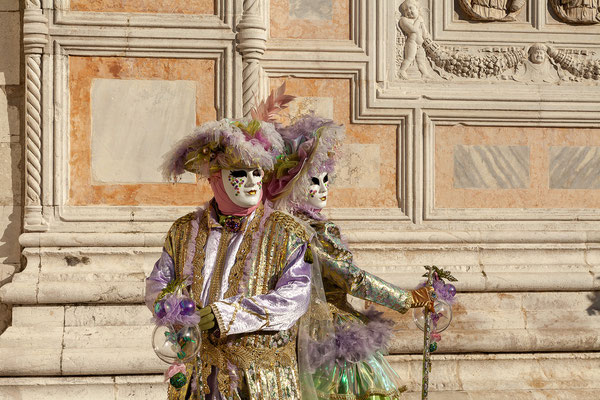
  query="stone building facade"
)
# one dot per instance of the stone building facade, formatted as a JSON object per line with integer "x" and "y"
{"x": 473, "y": 143}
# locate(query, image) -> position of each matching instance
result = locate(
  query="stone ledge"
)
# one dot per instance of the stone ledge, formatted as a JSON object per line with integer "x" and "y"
{"x": 354, "y": 236}
{"x": 97, "y": 274}
{"x": 89, "y": 388}
{"x": 565, "y": 394}
{"x": 503, "y": 372}
{"x": 484, "y": 381}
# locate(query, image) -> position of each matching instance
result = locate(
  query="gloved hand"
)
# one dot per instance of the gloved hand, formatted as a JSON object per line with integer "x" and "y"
{"x": 423, "y": 297}
{"x": 207, "y": 319}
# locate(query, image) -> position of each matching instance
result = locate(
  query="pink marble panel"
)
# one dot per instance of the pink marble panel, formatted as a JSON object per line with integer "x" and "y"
{"x": 83, "y": 70}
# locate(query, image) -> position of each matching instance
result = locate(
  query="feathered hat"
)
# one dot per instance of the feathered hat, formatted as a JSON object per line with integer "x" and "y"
{"x": 230, "y": 144}
{"x": 311, "y": 148}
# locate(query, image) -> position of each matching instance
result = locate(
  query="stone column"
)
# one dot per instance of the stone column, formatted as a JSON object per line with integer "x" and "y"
{"x": 35, "y": 38}
{"x": 252, "y": 43}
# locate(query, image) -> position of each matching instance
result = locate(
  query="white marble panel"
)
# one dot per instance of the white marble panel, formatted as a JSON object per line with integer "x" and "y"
{"x": 311, "y": 9}
{"x": 574, "y": 167}
{"x": 320, "y": 106}
{"x": 134, "y": 122}
{"x": 10, "y": 43}
{"x": 491, "y": 167}
{"x": 359, "y": 166}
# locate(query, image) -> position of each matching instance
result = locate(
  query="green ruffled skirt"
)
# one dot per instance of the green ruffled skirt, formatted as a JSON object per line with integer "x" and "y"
{"x": 371, "y": 378}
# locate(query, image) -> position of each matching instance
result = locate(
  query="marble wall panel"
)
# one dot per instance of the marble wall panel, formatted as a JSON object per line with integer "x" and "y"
{"x": 452, "y": 190}
{"x": 367, "y": 169}
{"x": 310, "y": 19}
{"x": 144, "y": 117}
{"x": 10, "y": 43}
{"x": 311, "y": 9}
{"x": 146, "y": 6}
{"x": 574, "y": 167}
{"x": 83, "y": 189}
{"x": 491, "y": 167}
{"x": 320, "y": 106}
{"x": 360, "y": 168}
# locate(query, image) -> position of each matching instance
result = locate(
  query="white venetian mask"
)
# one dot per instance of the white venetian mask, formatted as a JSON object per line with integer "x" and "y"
{"x": 243, "y": 186}
{"x": 318, "y": 191}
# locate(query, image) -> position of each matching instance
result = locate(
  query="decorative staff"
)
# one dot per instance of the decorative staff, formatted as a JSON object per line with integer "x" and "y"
{"x": 432, "y": 323}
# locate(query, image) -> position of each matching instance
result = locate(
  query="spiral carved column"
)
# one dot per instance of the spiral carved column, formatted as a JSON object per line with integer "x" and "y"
{"x": 252, "y": 43}
{"x": 35, "y": 37}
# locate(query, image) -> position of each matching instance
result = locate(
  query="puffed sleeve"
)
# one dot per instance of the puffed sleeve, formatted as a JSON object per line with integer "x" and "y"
{"x": 338, "y": 267}
{"x": 162, "y": 273}
{"x": 276, "y": 310}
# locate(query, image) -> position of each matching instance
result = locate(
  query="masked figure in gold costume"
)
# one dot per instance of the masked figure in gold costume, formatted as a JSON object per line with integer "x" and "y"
{"x": 349, "y": 363}
{"x": 243, "y": 265}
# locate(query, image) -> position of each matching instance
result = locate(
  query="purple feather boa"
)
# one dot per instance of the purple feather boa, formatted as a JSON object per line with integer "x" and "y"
{"x": 353, "y": 342}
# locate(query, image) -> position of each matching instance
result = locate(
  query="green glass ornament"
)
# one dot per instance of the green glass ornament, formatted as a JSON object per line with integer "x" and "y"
{"x": 432, "y": 347}
{"x": 178, "y": 380}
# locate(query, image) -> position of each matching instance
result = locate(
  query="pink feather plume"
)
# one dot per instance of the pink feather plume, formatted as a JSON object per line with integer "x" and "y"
{"x": 277, "y": 101}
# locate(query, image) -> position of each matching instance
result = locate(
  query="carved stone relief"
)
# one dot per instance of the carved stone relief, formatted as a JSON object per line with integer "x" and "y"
{"x": 419, "y": 57}
{"x": 492, "y": 10}
{"x": 581, "y": 12}
{"x": 412, "y": 24}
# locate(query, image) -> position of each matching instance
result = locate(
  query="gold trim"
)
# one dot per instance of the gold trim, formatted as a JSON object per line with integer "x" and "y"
{"x": 198, "y": 261}
{"x": 216, "y": 281}
{"x": 180, "y": 234}
{"x": 290, "y": 224}
{"x": 237, "y": 271}
{"x": 219, "y": 318}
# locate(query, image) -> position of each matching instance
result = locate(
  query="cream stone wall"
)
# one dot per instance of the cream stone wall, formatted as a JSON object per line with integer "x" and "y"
{"x": 11, "y": 99}
{"x": 480, "y": 155}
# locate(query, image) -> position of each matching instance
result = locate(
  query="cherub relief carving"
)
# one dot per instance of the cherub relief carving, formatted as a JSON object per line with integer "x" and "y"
{"x": 492, "y": 10}
{"x": 411, "y": 23}
{"x": 581, "y": 12}
{"x": 537, "y": 68}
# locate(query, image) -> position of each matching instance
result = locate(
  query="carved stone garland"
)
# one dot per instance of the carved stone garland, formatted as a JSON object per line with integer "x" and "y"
{"x": 497, "y": 64}
{"x": 35, "y": 37}
{"x": 472, "y": 66}
{"x": 252, "y": 43}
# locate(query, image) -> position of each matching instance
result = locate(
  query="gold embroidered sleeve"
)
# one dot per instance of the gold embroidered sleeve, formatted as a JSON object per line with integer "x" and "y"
{"x": 338, "y": 267}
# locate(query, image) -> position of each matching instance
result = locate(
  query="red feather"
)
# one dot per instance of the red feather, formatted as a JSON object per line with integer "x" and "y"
{"x": 267, "y": 109}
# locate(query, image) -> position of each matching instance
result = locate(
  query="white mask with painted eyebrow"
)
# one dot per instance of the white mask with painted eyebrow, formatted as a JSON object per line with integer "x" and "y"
{"x": 243, "y": 186}
{"x": 318, "y": 191}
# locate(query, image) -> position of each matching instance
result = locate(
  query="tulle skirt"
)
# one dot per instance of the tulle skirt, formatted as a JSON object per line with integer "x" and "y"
{"x": 360, "y": 371}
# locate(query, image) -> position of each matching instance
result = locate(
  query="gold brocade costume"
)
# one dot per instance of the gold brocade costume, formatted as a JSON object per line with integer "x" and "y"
{"x": 256, "y": 365}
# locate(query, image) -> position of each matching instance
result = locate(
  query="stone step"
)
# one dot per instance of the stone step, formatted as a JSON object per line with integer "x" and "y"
{"x": 556, "y": 376}
{"x": 95, "y": 274}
